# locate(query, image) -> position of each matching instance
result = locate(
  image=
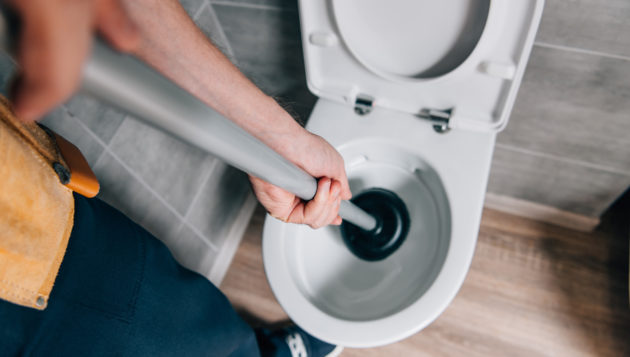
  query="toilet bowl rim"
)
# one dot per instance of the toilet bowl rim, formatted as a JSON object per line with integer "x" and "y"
{"x": 370, "y": 333}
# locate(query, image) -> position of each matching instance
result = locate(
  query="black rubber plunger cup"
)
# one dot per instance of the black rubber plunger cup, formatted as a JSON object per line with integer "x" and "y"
{"x": 391, "y": 230}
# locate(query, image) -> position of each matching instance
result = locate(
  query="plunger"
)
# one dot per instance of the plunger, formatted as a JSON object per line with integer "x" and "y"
{"x": 375, "y": 223}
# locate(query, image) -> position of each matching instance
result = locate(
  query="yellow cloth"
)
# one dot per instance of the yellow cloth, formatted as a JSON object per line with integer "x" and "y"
{"x": 36, "y": 211}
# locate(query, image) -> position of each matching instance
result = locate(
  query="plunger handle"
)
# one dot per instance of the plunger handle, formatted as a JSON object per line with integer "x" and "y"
{"x": 127, "y": 83}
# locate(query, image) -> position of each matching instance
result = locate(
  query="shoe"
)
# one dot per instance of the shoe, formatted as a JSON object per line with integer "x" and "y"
{"x": 294, "y": 342}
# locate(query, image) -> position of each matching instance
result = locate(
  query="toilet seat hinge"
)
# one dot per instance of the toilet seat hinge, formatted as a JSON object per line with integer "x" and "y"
{"x": 439, "y": 118}
{"x": 363, "y": 104}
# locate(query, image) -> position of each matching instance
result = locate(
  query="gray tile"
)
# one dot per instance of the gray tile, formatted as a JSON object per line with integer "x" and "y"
{"x": 121, "y": 190}
{"x": 588, "y": 24}
{"x": 173, "y": 169}
{"x": 191, "y": 6}
{"x": 287, "y": 4}
{"x": 575, "y": 106}
{"x": 267, "y": 46}
{"x": 267, "y": 40}
{"x": 208, "y": 24}
{"x": 192, "y": 252}
{"x": 102, "y": 119}
{"x": 219, "y": 202}
{"x": 7, "y": 70}
{"x": 556, "y": 183}
{"x": 61, "y": 122}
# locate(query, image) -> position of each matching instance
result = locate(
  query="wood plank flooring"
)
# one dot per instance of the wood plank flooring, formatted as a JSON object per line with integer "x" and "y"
{"x": 533, "y": 289}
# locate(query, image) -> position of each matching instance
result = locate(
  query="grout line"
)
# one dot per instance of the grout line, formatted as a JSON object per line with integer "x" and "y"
{"x": 203, "y": 184}
{"x": 250, "y": 6}
{"x": 126, "y": 167}
{"x": 580, "y": 50}
{"x": 122, "y": 122}
{"x": 195, "y": 16}
{"x": 200, "y": 235}
{"x": 234, "y": 236}
{"x": 178, "y": 231}
{"x": 168, "y": 206}
{"x": 559, "y": 158}
{"x": 228, "y": 46}
{"x": 98, "y": 140}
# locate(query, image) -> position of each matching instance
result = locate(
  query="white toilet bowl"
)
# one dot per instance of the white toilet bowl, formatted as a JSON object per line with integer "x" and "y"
{"x": 441, "y": 177}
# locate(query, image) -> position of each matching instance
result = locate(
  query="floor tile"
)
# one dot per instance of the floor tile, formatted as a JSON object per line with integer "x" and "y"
{"x": 101, "y": 118}
{"x": 123, "y": 191}
{"x": 575, "y": 106}
{"x": 193, "y": 252}
{"x": 219, "y": 202}
{"x": 173, "y": 169}
{"x": 289, "y": 4}
{"x": 61, "y": 122}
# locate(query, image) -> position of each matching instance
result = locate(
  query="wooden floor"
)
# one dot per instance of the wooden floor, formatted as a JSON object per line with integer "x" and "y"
{"x": 533, "y": 289}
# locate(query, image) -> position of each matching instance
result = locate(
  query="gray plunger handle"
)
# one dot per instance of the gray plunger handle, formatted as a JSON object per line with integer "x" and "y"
{"x": 134, "y": 87}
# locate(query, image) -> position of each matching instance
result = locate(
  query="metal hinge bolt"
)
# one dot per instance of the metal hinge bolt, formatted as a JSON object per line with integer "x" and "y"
{"x": 363, "y": 104}
{"x": 439, "y": 118}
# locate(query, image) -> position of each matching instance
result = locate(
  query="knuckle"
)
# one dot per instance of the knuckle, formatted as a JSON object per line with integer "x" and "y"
{"x": 316, "y": 225}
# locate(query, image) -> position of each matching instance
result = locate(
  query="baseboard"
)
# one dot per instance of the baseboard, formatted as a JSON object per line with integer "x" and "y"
{"x": 540, "y": 212}
{"x": 232, "y": 241}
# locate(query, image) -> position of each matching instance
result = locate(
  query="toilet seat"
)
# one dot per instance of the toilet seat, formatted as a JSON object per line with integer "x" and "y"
{"x": 475, "y": 94}
{"x": 480, "y": 90}
{"x": 397, "y": 40}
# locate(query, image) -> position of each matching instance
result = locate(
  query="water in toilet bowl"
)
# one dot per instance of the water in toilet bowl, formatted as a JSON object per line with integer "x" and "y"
{"x": 347, "y": 287}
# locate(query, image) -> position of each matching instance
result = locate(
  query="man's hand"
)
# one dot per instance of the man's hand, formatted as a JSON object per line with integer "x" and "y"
{"x": 55, "y": 38}
{"x": 320, "y": 159}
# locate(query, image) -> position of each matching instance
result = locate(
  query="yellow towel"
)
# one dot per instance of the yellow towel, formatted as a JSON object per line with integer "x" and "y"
{"x": 36, "y": 211}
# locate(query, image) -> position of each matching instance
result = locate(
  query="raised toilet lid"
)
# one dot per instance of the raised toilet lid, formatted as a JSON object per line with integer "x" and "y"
{"x": 413, "y": 56}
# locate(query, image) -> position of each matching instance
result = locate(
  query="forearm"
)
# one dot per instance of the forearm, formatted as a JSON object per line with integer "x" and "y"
{"x": 171, "y": 43}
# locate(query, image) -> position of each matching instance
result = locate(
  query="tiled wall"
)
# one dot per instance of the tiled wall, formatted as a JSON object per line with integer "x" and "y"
{"x": 568, "y": 141}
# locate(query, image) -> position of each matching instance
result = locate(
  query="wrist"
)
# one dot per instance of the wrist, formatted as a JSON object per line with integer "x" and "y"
{"x": 281, "y": 132}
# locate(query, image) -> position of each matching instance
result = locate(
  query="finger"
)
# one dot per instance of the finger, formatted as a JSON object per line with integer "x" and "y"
{"x": 337, "y": 221}
{"x": 332, "y": 206}
{"x": 278, "y": 202}
{"x": 52, "y": 46}
{"x": 314, "y": 209}
{"x": 334, "y": 212}
{"x": 341, "y": 176}
{"x": 346, "y": 194}
{"x": 295, "y": 212}
{"x": 115, "y": 25}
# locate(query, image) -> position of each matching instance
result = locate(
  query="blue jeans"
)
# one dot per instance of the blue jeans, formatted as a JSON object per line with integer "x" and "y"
{"x": 119, "y": 292}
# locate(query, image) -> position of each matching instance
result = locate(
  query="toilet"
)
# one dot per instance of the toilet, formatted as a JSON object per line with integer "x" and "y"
{"x": 412, "y": 94}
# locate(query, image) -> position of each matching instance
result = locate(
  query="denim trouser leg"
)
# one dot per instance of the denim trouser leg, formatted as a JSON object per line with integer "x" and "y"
{"x": 119, "y": 292}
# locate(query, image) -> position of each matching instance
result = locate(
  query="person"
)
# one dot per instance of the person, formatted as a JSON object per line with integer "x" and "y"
{"x": 117, "y": 290}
